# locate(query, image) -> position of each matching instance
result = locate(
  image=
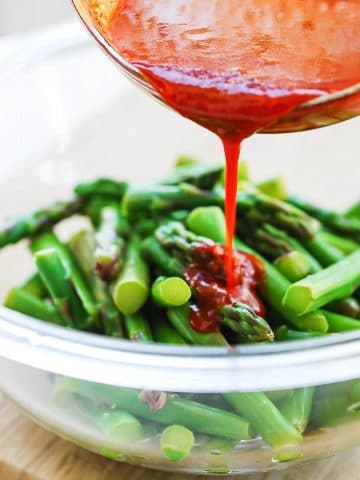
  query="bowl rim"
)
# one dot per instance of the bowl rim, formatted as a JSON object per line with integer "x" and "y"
{"x": 176, "y": 368}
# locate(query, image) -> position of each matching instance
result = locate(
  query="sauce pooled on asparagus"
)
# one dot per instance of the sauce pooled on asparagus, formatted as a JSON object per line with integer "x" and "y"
{"x": 206, "y": 274}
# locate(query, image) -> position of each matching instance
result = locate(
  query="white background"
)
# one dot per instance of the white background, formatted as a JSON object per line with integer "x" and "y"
{"x": 21, "y": 15}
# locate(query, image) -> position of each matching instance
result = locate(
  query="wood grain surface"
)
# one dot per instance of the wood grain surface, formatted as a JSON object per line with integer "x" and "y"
{"x": 27, "y": 452}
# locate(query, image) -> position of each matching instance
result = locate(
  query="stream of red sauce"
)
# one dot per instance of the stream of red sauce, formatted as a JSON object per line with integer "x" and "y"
{"x": 236, "y": 67}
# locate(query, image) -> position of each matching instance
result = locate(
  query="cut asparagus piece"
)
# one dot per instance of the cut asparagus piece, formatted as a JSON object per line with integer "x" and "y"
{"x": 345, "y": 245}
{"x": 170, "y": 291}
{"x": 274, "y": 187}
{"x": 137, "y": 328}
{"x": 102, "y": 187}
{"x": 28, "y": 304}
{"x": 208, "y": 222}
{"x": 279, "y": 395}
{"x": 284, "y": 334}
{"x": 156, "y": 254}
{"x": 58, "y": 283}
{"x": 82, "y": 245}
{"x": 268, "y": 422}
{"x": 297, "y": 408}
{"x": 202, "y": 176}
{"x": 177, "y": 442}
{"x": 340, "y": 323}
{"x": 323, "y": 251}
{"x": 294, "y": 265}
{"x": 108, "y": 245}
{"x": 131, "y": 289}
{"x": 340, "y": 223}
{"x": 315, "y": 291}
{"x": 248, "y": 326}
{"x": 119, "y": 425}
{"x": 354, "y": 211}
{"x": 35, "y": 286}
{"x": 49, "y": 240}
{"x": 179, "y": 318}
{"x": 27, "y": 225}
{"x": 165, "y": 333}
{"x": 193, "y": 415}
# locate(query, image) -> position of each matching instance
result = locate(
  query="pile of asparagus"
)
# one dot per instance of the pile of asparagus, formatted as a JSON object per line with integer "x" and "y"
{"x": 124, "y": 277}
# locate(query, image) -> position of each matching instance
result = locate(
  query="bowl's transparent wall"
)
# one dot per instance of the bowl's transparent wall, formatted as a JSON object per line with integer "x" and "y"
{"x": 96, "y": 417}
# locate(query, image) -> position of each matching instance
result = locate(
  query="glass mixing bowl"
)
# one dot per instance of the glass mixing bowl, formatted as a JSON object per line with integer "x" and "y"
{"x": 66, "y": 114}
{"x": 320, "y": 112}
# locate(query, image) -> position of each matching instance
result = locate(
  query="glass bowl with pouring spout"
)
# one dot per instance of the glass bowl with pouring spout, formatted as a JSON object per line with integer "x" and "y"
{"x": 319, "y": 112}
{"x": 67, "y": 115}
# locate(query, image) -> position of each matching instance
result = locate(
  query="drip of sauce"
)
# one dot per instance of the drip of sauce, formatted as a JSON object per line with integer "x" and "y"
{"x": 206, "y": 274}
{"x": 236, "y": 67}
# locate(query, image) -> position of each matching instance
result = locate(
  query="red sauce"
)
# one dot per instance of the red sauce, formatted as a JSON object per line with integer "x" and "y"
{"x": 207, "y": 276}
{"x": 236, "y": 67}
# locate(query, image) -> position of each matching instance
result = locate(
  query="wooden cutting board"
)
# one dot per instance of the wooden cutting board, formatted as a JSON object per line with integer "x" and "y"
{"x": 27, "y": 452}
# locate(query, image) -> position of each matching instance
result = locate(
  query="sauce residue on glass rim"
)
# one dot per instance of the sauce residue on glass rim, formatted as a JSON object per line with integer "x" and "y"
{"x": 206, "y": 274}
{"x": 236, "y": 67}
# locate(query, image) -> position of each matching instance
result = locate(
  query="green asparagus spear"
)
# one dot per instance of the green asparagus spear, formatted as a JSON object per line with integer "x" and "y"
{"x": 26, "y": 225}
{"x": 28, "y": 304}
{"x": 284, "y": 334}
{"x": 340, "y": 323}
{"x": 354, "y": 211}
{"x": 179, "y": 319}
{"x": 170, "y": 291}
{"x": 202, "y": 176}
{"x": 323, "y": 251}
{"x": 335, "y": 282}
{"x": 294, "y": 265}
{"x": 345, "y": 245}
{"x": 131, "y": 289}
{"x": 340, "y": 223}
{"x": 108, "y": 245}
{"x": 269, "y": 422}
{"x": 58, "y": 283}
{"x": 166, "y": 198}
{"x": 297, "y": 408}
{"x": 49, "y": 240}
{"x": 82, "y": 246}
{"x": 193, "y": 415}
{"x": 35, "y": 286}
{"x": 248, "y": 326}
{"x": 137, "y": 328}
{"x": 177, "y": 442}
{"x": 272, "y": 243}
{"x": 164, "y": 332}
{"x": 102, "y": 187}
{"x": 156, "y": 254}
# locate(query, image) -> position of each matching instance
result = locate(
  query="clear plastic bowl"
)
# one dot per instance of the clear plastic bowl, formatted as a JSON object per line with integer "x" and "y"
{"x": 67, "y": 114}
